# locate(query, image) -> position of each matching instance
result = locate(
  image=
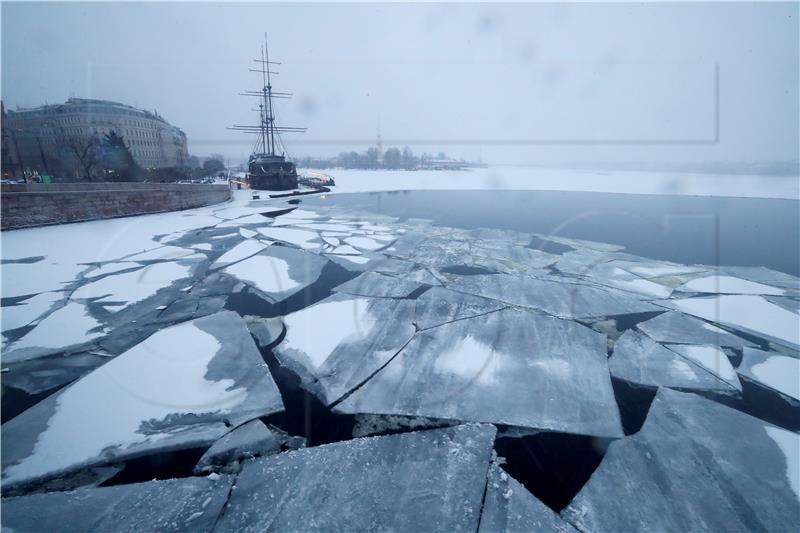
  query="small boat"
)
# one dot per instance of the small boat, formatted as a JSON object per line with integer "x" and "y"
{"x": 268, "y": 170}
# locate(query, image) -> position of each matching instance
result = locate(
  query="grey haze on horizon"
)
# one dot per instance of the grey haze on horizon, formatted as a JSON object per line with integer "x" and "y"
{"x": 566, "y": 84}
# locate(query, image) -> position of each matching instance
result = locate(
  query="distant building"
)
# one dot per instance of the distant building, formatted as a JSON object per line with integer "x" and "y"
{"x": 36, "y": 136}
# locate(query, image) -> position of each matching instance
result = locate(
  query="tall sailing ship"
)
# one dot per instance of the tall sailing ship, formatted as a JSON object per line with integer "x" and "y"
{"x": 266, "y": 168}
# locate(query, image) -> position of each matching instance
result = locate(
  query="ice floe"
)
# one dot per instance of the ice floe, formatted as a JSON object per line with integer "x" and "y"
{"x": 187, "y": 504}
{"x": 712, "y": 358}
{"x": 378, "y": 285}
{"x": 308, "y": 240}
{"x": 421, "y": 481}
{"x": 508, "y": 506}
{"x": 728, "y": 285}
{"x": 177, "y": 389}
{"x": 677, "y": 328}
{"x": 243, "y": 250}
{"x": 163, "y": 253}
{"x": 492, "y": 369}
{"x": 249, "y": 440}
{"x": 557, "y": 298}
{"x": 131, "y": 287}
{"x": 696, "y": 465}
{"x": 279, "y": 271}
{"x": 775, "y": 371}
{"x": 341, "y": 341}
{"x": 640, "y": 360}
{"x": 749, "y": 313}
{"x": 62, "y": 330}
{"x": 27, "y": 311}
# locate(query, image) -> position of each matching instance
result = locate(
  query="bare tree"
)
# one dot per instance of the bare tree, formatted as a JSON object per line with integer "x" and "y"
{"x": 84, "y": 148}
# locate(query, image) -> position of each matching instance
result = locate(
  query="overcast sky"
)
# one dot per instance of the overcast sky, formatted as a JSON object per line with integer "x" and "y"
{"x": 520, "y": 83}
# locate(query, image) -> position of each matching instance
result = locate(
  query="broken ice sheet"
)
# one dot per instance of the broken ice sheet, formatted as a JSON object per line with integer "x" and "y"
{"x": 162, "y": 253}
{"x": 677, "y": 328}
{"x": 22, "y": 314}
{"x": 111, "y": 268}
{"x": 420, "y": 481}
{"x": 690, "y": 450}
{"x": 63, "y": 329}
{"x": 378, "y": 285}
{"x": 640, "y": 360}
{"x": 187, "y": 504}
{"x": 508, "y": 506}
{"x": 42, "y": 374}
{"x": 342, "y": 340}
{"x": 749, "y": 313}
{"x": 728, "y": 285}
{"x": 178, "y": 389}
{"x": 252, "y": 439}
{"x": 243, "y": 250}
{"x": 308, "y": 240}
{"x": 712, "y": 358}
{"x": 777, "y": 372}
{"x": 135, "y": 286}
{"x": 559, "y": 298}
{"x": 492, "y": 369}
{"x": 438, "y": 306}
{"x": 279, "y": 271}
{"x": 366, "y": 243}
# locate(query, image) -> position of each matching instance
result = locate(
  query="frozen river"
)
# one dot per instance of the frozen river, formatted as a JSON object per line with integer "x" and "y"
{"x": 424, "y": 360}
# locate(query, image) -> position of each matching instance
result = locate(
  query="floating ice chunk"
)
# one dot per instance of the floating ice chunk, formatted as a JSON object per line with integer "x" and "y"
{"x": 790, "y": 304}
{"x": 24, "y": 313}
{"x": 580, "y": 243}
{"x": 752, "y": 314}
{"x": 278, "y": 272}
{"x": 250, "y": 219}
{"x": 558, "y": 298}
{"x": 243, "y": 250}
{"x": 247, "y": 233}
{"x": 422, "y": 275}
{"x": 132, "y": 287}
{"x": 421, "y": 481}
{"x": 162, "y": 253}
{"x": 686, "y": 453}
{"x": 202, "y": 246}
{"x": 365, "y": 243}
{"x": 175, "y": 390}
{"x": 438, "y": 306}
{"x": 111, "y": 268}
{"x": 638, "y": 359}
{"x": 656, "y": 269}
{"x": 609, "y": 275}
{"x": 344, "y": 339}
{"x": 345, "y": 250}
{"x": 45, "y": 373}
{"x": 728, "y": 285}
{"x": 712, "y": 358}
{"x": 521, "y": 511}
{"x": 378, "y": 285}
{"x": 778, "y": 372}
{"x": 252, "y": 439}
{"x": 492, "y": 369}
{"x": 190, "y": 504}
{"x": 308, "y": 240}
{"x": 333, "y": 241}
{"x": 25, "y": 279}
{"x": 762, "y": 275}
{"x": 318, "y": 226}
{"x": 677, "y": 328}
{"x": 62, "y": 330}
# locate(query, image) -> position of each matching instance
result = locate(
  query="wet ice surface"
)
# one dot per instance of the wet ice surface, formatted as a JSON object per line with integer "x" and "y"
{"x": 695, "y": 466}
{"x": 342, "y": 322}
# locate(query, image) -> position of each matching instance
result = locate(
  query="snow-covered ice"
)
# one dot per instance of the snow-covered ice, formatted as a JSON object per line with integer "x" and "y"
{"x": 175, "y": 390}
{"x": 750, "y": 313}
{"x": 65, "y": 328}
{"x": 279, "y": 271}
{"x": 640, "y": 360}
{"x": 677, "y": 328}
{"x": 22, "y": 314}
{"x": 695, "y": 465}
{"x": 775, "y": 371}
{"x": 308, "y": 240}
{"x": 728, "y": 285}
{"x": 243, "y": 250}
{"x": 712, "y": 358}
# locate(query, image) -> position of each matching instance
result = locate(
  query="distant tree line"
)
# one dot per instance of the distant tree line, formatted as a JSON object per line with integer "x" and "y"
{"x": 372, "y": 158}
{"x": 107, "y": 157}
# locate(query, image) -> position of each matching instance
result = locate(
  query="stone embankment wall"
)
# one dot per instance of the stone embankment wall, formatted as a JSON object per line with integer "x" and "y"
{"x": 39, "y": 204}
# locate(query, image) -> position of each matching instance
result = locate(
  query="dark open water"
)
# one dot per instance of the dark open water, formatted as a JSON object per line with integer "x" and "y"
{"x": 684, "y": 229}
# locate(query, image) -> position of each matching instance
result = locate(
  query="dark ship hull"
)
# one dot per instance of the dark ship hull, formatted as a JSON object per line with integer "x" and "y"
{"x": 271, "y": 173}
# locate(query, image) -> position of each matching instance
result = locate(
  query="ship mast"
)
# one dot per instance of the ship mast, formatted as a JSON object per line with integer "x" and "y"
{"x": 266, "y": 127}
